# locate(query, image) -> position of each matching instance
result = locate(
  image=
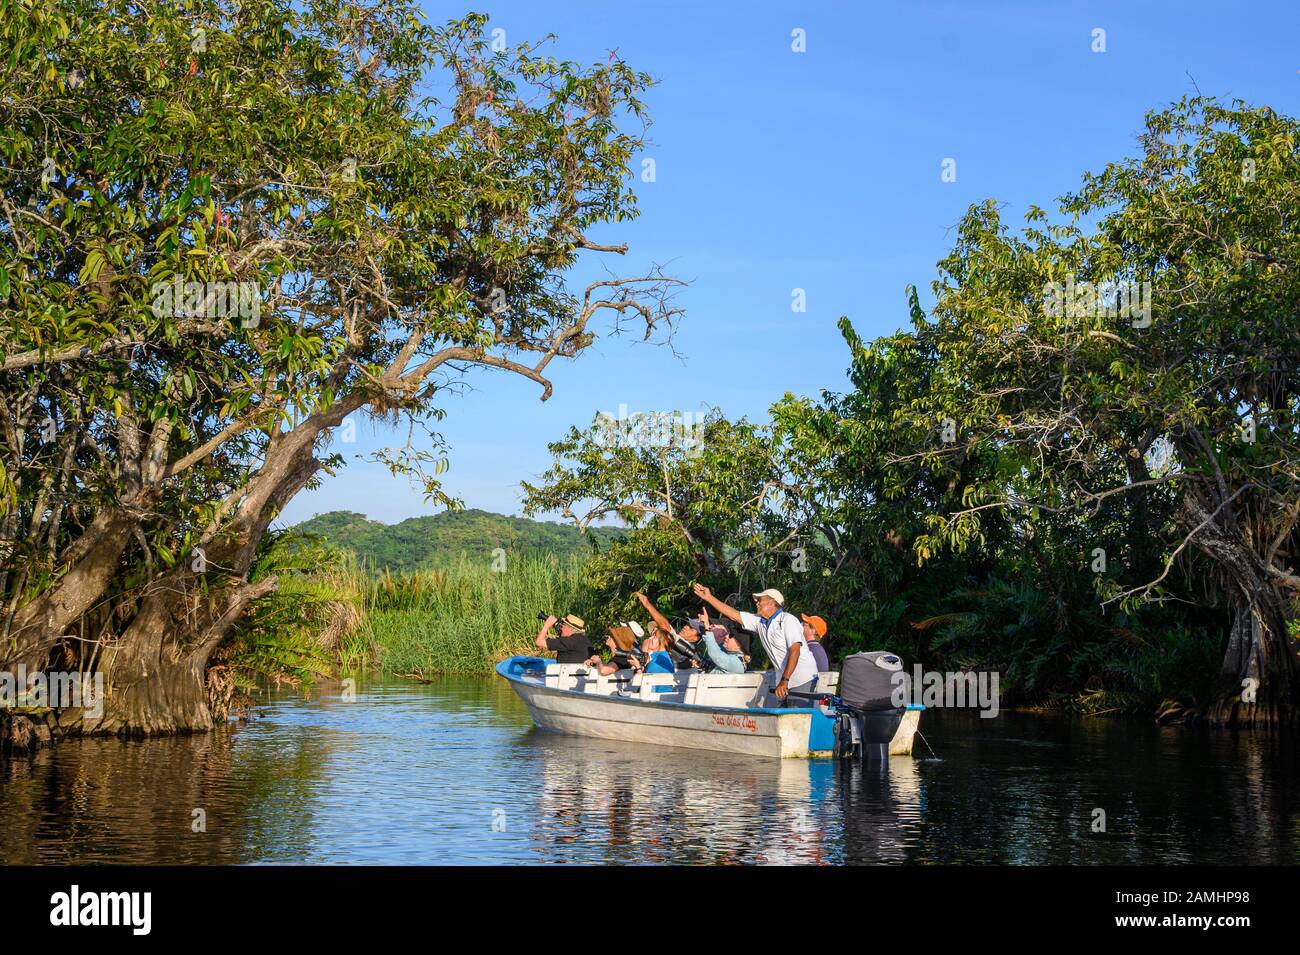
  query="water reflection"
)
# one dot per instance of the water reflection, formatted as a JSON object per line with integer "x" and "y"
{"x": 601, "y": 801}
{"x": 454, "y": 772}
{"x": 109, "y": 801}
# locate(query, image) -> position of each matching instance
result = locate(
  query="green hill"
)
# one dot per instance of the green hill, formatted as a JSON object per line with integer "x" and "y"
{"x": 442, "y": 539}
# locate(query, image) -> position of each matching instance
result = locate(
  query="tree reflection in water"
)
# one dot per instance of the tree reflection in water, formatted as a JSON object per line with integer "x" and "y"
{"x": 107, "y": 801}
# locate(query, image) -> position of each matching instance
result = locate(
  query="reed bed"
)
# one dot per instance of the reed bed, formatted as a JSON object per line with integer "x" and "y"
{"x": 463, "y": 618}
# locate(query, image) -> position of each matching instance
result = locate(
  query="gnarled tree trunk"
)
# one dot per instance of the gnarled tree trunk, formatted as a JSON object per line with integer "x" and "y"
{"x": 1260, "y": 675}
{"x": 37, "y": 625}
{"x": 155, "y": 672}
{"x": 1260, "y": 682}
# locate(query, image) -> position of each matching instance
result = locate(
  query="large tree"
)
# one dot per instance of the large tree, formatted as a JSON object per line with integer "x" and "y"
{"x": 1146, "y": 345}
{"x": 355, "y": 207}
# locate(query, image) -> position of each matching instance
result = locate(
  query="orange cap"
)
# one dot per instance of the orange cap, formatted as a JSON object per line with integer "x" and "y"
{"x": 818, "y": 624}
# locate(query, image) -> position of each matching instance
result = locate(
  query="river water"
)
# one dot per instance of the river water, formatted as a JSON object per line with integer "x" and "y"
{"x": 454, "y": 772}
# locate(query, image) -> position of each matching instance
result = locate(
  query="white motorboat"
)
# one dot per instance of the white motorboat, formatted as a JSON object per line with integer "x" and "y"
{"x": 689, "y": 708}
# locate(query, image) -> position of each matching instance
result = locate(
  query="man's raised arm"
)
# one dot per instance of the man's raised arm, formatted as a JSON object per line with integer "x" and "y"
{"x": 545, "y": 632}
{"x": 707, "y": 596}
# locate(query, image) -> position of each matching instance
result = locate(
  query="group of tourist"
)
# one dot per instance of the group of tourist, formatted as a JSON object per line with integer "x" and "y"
{"x": 793, "y": 646}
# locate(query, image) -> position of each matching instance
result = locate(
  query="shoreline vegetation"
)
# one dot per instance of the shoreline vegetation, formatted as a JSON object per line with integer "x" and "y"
{"x": 148, "y": 445}
{"x": 336, "y": 614}
{"x": 1076, "y": 460}
{"x": 451, "y": 593}
{"x": 463, "y": 619}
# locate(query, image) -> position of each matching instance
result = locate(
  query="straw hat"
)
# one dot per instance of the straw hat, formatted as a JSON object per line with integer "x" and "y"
{"x": 575, "y": 622}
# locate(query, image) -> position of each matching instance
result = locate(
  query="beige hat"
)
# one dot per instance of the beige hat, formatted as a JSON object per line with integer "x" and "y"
{"x": 773, "y": 593}
{"x": 622, "y": 637}
{"x": 575, "y": 622}
{"x": 636, "y": 628}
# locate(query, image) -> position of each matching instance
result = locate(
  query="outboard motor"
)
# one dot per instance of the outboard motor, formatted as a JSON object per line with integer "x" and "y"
{"x": 872, "y": 685}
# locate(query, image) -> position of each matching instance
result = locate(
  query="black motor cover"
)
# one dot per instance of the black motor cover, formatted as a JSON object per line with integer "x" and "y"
{"x": 874, "y": 681}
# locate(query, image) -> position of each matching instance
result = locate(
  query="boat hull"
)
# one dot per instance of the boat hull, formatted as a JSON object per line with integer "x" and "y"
{"x": 901, "y": 744}
{"x": 752, "y": 731}
{"x": 777, "y": 733}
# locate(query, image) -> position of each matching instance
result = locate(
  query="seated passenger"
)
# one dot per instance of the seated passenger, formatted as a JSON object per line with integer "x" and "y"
{"x": 727, "y": 651}
{"x": 689, "y": 634}
{"x": 657, "y": 659}
{"x": 814, "y": 628}
{"x": 621, "y": 643}
{"x": 687, "y": 647}
{"x": 624, "y": 659}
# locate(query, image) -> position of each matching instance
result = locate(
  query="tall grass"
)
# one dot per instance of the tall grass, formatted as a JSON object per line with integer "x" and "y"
{"x": 460, "y": 619}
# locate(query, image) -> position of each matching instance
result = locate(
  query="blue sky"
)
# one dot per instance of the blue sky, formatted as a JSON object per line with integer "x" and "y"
{"x": 820, "y": 170}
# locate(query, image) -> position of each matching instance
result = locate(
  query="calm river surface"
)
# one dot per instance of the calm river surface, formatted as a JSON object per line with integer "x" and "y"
{"x": 454, "y": 772}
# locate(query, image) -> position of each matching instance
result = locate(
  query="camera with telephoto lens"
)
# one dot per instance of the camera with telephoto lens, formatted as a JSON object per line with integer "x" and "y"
{"x": 542, "y": 615}
{"x": 688, "y": 652}
{"x": 634, "y": 653}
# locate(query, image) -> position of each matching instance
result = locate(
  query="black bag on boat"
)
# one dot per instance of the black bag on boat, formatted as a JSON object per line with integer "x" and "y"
{"x": 874, "y": 681}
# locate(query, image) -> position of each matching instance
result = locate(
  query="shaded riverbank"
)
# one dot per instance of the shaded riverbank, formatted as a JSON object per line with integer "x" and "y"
{"x": 452, "y": 771}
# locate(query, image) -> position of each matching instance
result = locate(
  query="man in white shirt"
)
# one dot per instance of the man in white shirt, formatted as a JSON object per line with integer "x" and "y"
{"x": 793, "y": 667}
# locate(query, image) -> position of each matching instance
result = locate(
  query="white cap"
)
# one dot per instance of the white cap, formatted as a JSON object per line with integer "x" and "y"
{"x": 774, "y": 594}
{"x": 636, "y": 628}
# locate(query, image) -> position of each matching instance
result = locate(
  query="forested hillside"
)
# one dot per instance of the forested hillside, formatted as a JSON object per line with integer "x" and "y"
{"x": 441, "y": 539}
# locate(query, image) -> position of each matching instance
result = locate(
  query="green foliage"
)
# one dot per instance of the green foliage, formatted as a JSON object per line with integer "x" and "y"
{"x": 331, "y": 613}
{"x": 708, "y": 505}
{"x": 1168, "y": 436}
{"x": 405, "y": 203}
{"x": 290, "y": 635}
{"x": 654, "y": 559}
{"x": 450, "y": 537}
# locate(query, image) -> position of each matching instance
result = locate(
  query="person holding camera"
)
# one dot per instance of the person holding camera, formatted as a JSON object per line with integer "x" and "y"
{"x": 571, "y": 646}
{"x": 623, "y": 651}
{"x": 656, "y": 659}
